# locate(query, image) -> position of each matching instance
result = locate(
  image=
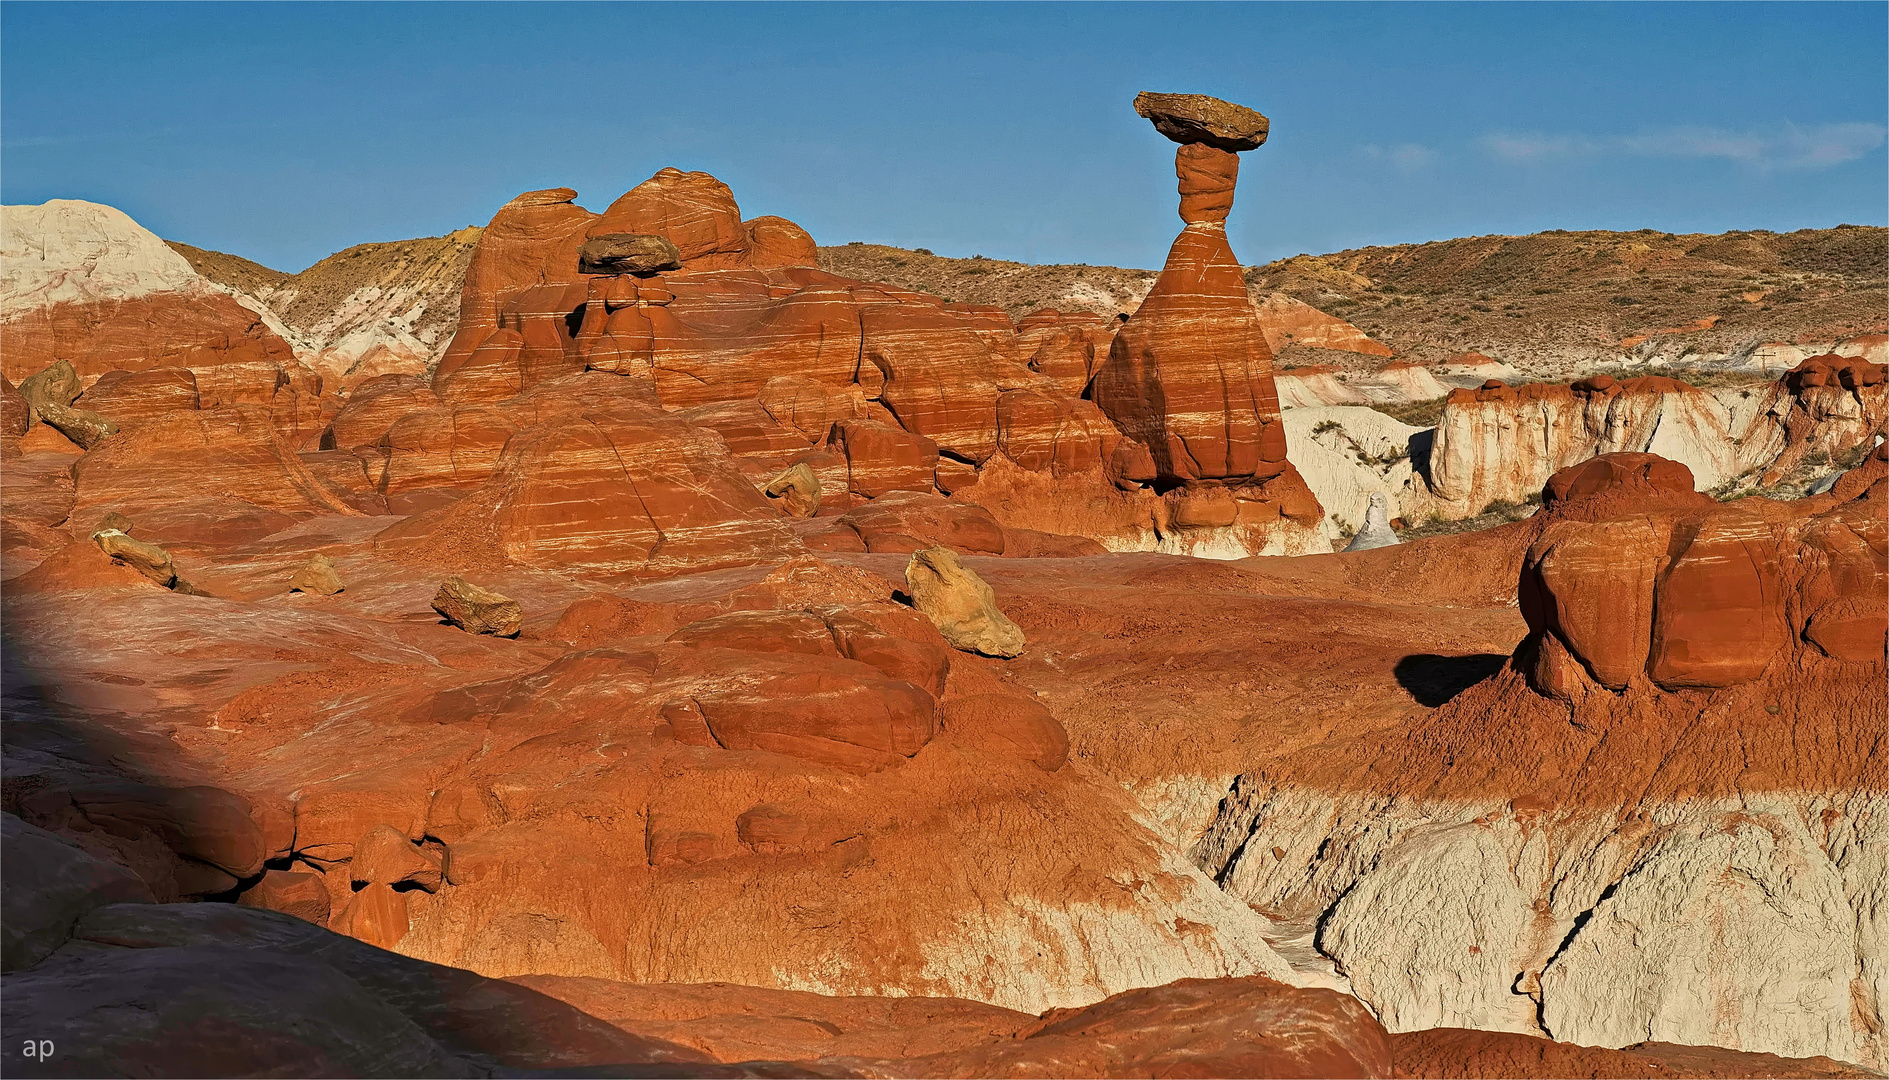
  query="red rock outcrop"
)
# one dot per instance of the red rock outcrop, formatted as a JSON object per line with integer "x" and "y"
{"x": 206, "y": 476}
{"x": 692, "y": 210}
{"x": 1705, "y": 597}
{"x": 621, "y": 487}
{"x": 875, "y": 380}
{"x": 1828, "y": 406}
{"x": 510, "y": 259}
{"x": 1671, "y": 733}
{"x": 776, "y": 243}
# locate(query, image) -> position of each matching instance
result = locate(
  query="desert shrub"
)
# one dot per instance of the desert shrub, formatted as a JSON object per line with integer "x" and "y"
{"x": 1416, "y": 413}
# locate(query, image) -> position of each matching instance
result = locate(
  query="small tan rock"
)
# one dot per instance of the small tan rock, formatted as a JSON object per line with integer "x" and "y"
{"x": 384, "y": 856}
{"x": 83, "y": 427}
{"x": 796, "y": 489}
{"x": 147, "y": 559}
{"x": 316, "y": 577}
{"x": 57, "y": 384}
{"x": 114, "y": 520}
{"x": 476, "y": 610}
{"x": 960, "y": 604}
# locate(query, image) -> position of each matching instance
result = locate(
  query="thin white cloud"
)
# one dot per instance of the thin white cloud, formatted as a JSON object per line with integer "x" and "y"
{"x": 1405, "y": 157}
{"x": 1790, "y": 147}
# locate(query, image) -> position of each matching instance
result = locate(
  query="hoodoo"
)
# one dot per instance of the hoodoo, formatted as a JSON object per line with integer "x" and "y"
{"x": 1189, "y": 376}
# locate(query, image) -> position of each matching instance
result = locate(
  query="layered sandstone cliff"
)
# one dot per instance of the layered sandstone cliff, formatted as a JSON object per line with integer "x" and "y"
{"x": 1498, "y": 444}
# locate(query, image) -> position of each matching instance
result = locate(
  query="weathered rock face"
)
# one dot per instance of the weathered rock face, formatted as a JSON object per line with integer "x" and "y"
{"x": 1502, "y": 443}
{"x": 1827, "y": 406}
{"x": 1652, "y": 822}
{"x": 618, "y": 486}
{"x": 1376, "y": 532}
{"x": 201, "y": 476}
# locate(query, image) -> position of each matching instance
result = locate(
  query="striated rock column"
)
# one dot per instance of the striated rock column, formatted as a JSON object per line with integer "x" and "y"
{"x": 1190, "y": 374}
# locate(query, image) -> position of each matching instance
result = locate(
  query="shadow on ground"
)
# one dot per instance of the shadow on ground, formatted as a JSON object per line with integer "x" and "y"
{"x": 1433, "y": 679}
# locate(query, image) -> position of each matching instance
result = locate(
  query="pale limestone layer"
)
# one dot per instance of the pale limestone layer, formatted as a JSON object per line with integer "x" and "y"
{"x": 1505, "y": 451}
{"x": 1756, "y": 923}
{"x": 1492, "y": 451}
{"x": 70, "y": 251}
{"x": 1178, "y": 925}
{"x": 1309, "y": 389}
{"x": 1347, "y": 454}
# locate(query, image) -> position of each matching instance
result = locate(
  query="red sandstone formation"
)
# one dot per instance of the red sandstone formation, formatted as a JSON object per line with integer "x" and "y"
{"x": 1706, "y": 596}
{"x": 161, "y": 330}
{"x": 1834, "y": 404}
{"x": 874, "y": 388}
{"x": 719, "y": 736}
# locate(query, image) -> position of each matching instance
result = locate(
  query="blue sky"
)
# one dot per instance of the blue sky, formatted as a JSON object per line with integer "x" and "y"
{"x": 285, "y": 132}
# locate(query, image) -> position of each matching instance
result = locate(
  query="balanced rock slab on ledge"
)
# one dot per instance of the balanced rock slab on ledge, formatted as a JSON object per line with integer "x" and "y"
{"x": 627, "y": 253}
{"x": 1197, "y": 118}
